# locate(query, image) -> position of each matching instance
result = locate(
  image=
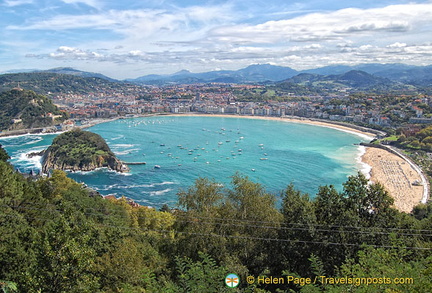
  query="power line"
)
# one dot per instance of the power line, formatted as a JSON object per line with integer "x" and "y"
{"x": 251, "y": 223}
{"x": 243, "y": 237}
{"x": 234, "y": 225}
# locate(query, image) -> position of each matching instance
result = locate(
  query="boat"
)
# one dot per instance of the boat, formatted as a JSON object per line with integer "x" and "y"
{"x": 263, "y": 159}
{"x": 157, "y": 167}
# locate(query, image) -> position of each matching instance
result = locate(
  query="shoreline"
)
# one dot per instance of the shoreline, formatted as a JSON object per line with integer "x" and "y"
{"x": 293, "y": 119}
{"x": 394, "y": 171}
{"x": 401, "y": 178}
{"x": 397, "y": 180}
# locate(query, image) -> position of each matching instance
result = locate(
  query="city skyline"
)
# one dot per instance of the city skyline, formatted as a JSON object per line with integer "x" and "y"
{"x": 128, "y": 39}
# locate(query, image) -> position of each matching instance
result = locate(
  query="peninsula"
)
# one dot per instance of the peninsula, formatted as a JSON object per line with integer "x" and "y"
{"x": 79, "y": 150}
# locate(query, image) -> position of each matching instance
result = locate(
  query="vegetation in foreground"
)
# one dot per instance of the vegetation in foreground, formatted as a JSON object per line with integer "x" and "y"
{"x": 57, "y": 238}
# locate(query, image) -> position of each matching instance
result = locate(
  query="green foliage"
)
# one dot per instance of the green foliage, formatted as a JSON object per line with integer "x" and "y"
{"x": 31, "y": 108}
{"x": 201, "y": 276}
{"x": 390, "y": 268}
{"x": 55, "y": 237}
{"x": 44, "y": 82}
{"x": 8, "y": 287}
{"x": 3, "y": 154}
{"x": 78, "y": 148}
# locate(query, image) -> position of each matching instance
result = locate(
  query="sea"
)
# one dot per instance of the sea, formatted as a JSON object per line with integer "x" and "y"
{"x": 177, "y": 150}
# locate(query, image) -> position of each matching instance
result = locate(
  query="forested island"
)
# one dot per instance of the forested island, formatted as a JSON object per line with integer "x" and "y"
{"x": 55, "y": 237}
{"x": 79, "y": 150}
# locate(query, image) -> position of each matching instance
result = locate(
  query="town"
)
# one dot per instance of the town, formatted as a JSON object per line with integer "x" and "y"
{"x": 373, "y": 110}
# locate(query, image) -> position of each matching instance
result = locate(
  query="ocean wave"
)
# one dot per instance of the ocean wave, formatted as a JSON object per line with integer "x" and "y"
{"x": 158, "y": 192}
{"x": 363, "y": 167}
{"x": 22, "y": 159}
{"x": 118, "y": 186}
{"x": 37, "y": 139}
{"x": 29, "y": 135}
{"x": 125, "y": 152}
{"x": 122, "y": 145}
{"x": 117, "y": 137}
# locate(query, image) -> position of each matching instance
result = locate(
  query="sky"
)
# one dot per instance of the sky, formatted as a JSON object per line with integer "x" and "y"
{"x": 127, "y": 39}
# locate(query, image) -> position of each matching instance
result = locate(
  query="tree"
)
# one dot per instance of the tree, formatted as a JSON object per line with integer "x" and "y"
{"x": 3, "y": 154}
{"x": 254, "y": 216}
{"x": 297, "y": 231}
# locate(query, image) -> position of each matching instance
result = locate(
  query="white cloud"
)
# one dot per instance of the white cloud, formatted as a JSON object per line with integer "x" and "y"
{"x": 397, "y": 45}
{"x": 65, "y": 52}
{"x": 201, "y": 38}
{"x": 13, "y": 3}
{"x": 335, "y": 25}
{"x": 92, "y": 3}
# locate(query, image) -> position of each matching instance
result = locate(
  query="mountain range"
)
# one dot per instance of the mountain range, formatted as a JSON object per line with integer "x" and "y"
{"x": 270, "y": 73}
{"x": 365, "y": 77}
{"x": 261, "y": 73}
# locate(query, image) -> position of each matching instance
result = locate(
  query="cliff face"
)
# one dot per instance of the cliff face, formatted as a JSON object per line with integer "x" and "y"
{"x": 79, "y": 150}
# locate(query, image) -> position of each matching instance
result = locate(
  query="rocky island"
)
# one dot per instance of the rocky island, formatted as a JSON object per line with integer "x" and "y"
{"x": 79, "y": 150}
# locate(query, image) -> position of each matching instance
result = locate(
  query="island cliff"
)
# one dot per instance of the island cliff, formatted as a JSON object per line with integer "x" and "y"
{"x": 79, "y": 150}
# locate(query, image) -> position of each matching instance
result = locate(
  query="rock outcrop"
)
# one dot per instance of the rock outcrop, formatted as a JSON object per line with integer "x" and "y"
{"x": 79, "y": 150}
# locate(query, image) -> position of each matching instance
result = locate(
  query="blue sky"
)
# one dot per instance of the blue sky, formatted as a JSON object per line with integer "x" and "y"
{"x": 126, "y": 39}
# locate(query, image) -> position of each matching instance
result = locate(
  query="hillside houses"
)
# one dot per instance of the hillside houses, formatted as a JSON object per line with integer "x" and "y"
{"x": 222, "y": 99}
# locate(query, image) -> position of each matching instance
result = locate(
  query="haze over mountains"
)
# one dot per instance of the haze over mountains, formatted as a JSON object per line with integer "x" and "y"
{"x": 357, "y": 76}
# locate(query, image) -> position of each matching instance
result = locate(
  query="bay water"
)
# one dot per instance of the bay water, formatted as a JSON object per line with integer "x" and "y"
{"x": 179, "y": 149}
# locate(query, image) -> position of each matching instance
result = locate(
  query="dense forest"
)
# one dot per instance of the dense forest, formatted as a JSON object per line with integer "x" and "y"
{"x": 55, "y": 237}
{"x": 21, "y": 109}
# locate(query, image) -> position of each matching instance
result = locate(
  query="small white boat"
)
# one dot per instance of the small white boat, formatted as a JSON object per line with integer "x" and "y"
{"x": 157, "y": 167}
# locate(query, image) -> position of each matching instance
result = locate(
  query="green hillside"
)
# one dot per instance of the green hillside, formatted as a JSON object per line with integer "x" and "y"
{"x": 55, "y": 237}
{"x": 22, "y": 109}
{"x": 55, "y": 83}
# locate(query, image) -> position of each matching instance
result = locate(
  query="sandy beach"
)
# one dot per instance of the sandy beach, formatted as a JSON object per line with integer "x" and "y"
{"x": 397, "y": 176}
{"x": 392, "y": 171}
{"x": 395, "y": 173}
{"x": 329, "y": 124}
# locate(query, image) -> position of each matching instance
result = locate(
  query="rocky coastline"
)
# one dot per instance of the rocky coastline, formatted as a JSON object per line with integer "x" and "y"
{"x": 79, "y": 150}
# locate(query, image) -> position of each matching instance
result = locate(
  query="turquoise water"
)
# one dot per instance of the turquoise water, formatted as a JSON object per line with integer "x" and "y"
{"x": 273, "y": 153}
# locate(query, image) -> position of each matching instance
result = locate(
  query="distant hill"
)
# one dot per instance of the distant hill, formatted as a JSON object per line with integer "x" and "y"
{"x": 419, "y": 75}
{"x": 382, "y": 76}
{"x": 353, "y": 80}
{"x": 21, "y": 109}
{"x": 53, "y": 83}
{"x": 250, "y": 74}
{"x": 75, "y": 72}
